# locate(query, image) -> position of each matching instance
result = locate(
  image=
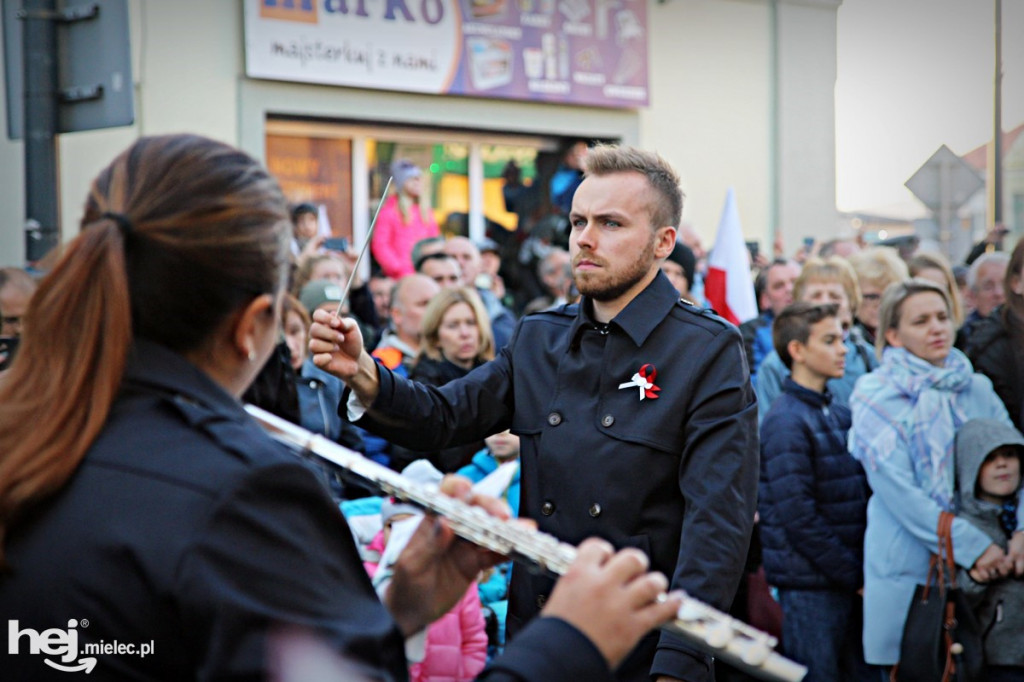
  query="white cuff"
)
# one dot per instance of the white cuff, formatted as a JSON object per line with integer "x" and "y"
{"x": 355, "y": 407}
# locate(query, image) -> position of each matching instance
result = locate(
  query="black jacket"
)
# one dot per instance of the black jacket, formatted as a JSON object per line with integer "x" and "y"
{"x": 675, "y": 475}
{"x": 813, "y": 494}
{"x": 991, "y": 349}
{"x": 187, "y": 528}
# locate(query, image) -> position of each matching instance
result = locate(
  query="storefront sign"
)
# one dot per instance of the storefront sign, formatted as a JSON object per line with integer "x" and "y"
{"x": 591, "y": 52}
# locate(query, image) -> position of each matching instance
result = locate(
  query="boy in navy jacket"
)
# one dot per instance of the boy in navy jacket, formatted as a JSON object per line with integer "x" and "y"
{"x": 813, "y": 500}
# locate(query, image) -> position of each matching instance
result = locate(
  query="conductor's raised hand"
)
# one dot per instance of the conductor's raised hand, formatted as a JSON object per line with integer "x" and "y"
{"x": 336, "y": 344}
{"x": 611, "y": 598}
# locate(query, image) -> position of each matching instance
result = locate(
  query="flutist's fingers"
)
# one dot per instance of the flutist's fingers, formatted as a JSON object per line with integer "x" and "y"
{"x": 461, "y": 488}
{"x": 611, "y": 598}
{"x": 435, "y": 569}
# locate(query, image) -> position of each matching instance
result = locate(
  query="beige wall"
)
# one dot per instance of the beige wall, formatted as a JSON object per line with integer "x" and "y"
{"x": 710, "y": 113}
{"x": 806, "y": 158}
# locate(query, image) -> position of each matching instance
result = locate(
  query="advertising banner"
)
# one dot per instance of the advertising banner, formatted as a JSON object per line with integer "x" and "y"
{"x": 588, "y": 52}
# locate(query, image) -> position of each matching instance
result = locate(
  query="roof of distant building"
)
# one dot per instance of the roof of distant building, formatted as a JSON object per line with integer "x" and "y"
{"x": 978, "y": 158}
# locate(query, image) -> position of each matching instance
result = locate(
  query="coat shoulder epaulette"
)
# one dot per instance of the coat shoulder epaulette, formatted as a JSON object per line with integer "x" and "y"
{"x": 688, "y": 310}
{"x": 565, "y": 311}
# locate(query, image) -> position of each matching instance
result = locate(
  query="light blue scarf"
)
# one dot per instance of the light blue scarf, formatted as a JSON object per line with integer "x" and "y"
{"x": 935, "y": 415}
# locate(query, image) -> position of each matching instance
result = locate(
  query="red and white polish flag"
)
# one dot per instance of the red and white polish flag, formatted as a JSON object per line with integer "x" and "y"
{"x": 728, "y": 285}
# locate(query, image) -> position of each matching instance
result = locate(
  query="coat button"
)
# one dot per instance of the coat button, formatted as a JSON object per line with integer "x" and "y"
{"x": 542, "y": 599}
{"x": 595, "y": 510}
{"x": 554, "y": 419}
{"x": 607, "y": 420}
{"x": 547, "y": 509}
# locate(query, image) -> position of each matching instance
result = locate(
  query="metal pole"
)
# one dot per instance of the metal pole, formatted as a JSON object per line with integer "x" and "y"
{"x": 945, "y": 207}
{"x": 997, "y": 134}
{"x": 39, "y": 40}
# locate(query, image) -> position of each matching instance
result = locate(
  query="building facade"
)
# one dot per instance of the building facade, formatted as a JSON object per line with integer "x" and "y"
{"x": 739, "y": 93}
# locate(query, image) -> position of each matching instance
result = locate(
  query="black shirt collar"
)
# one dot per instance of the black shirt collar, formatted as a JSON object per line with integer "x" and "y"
{"x": 638, "y": 319}
{"x": 156, "y": 367}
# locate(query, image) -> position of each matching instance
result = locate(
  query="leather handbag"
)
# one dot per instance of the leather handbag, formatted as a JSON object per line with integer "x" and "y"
{"x": 942, "y": 641}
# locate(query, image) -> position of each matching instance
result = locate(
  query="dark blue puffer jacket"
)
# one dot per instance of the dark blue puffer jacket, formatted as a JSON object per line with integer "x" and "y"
{"x": 813, "y": 494}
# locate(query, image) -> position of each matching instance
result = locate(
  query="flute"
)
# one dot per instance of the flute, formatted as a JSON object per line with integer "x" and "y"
{"x": 708, "y": 629}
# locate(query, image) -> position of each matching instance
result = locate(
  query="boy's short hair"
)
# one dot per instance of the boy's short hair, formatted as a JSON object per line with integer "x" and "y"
{"x": 794, "y": 324}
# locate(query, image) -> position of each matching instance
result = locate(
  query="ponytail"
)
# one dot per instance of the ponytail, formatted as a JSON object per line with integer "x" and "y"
{"x": 178, "y": 233}
{"x": 56, "y": 397}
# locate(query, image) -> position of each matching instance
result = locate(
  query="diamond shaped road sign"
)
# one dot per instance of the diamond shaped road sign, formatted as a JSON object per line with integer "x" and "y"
{"x": 944, "y": 174}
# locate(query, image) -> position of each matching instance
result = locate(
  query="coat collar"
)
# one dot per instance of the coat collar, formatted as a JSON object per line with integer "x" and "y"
{"x": 156, "y": 367}
{"x": 812, "y": 398}
{"x": 638, "y": 319}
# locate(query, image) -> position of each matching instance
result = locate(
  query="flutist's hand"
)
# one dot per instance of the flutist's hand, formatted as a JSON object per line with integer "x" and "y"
{"x": 337, "y": 347}
{"x": 435, "y": 568}
{"x": 611, "y": 598}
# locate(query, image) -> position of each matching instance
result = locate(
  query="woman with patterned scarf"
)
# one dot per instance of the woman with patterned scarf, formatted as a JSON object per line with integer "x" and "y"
{"x": 905, "y": 417}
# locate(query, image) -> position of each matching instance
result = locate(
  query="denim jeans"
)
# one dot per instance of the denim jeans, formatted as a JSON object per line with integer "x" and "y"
{"x": 822, "y": 630}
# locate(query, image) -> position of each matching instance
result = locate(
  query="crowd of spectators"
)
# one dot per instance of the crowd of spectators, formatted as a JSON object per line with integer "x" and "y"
{"x": 867, "y": 364}
{"x": 864, "y": 400}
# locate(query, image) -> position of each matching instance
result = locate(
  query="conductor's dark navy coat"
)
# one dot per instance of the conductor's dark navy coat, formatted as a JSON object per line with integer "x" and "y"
{"x": 674, "y": 473}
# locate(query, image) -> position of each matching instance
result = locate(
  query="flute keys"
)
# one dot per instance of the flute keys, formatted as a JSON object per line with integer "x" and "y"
{"x": 718, "y": 635}
{"x": 755, "y": 653}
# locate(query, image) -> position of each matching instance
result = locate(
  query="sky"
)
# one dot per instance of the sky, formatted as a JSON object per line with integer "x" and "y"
{"x": 914, "y": 75}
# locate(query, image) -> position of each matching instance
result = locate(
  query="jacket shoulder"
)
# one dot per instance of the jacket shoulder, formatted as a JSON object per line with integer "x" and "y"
{"x": 689, "y": 313}
{"x": 562, "y": 314}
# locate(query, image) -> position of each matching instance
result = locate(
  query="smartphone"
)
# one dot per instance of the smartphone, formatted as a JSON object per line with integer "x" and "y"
{"x": 336, "y": 244}
{"x": 8, "y": 347}
{"x": 755, "y": 248}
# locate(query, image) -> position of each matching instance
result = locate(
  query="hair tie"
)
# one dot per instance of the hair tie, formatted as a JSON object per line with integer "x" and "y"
{"x": 121, "y": 220}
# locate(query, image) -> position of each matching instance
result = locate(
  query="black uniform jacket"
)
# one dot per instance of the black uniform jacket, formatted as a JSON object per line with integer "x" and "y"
{"x": 674, "y": 473}
{"x": 187, "y": 529}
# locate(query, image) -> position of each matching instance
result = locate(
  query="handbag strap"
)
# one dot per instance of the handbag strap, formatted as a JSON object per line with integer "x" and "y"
{"x": 945, "y": 557}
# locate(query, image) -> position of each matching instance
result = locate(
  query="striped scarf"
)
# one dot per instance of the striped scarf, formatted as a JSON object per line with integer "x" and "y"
{"x": 935, "y": 415}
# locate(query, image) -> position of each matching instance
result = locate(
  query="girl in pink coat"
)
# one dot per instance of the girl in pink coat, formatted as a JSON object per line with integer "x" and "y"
{"x": 402, "y": 222}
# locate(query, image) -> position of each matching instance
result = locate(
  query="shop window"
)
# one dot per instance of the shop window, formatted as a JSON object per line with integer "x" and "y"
{"x": 317, "y": 170}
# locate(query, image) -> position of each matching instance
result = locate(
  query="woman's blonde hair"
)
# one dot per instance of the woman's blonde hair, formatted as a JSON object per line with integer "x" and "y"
{"x": 831, "y": 269}
{"x": 892, "y": 305}
{"x": 936, "y": 261}
{"x": 438, "y": 306}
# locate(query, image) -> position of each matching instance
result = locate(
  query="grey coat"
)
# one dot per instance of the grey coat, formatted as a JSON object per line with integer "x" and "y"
{"x": 999, "y": 606}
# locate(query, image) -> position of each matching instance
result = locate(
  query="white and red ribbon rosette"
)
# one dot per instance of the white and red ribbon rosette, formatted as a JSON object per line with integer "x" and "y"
{"x": 644, "y": 381}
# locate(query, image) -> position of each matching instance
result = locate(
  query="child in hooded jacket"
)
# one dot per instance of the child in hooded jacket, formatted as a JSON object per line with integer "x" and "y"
{"x": 988, "y": 464}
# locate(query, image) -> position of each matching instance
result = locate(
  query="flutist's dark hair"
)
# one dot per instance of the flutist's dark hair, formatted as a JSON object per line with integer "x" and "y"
{"x": 179, "y": 233}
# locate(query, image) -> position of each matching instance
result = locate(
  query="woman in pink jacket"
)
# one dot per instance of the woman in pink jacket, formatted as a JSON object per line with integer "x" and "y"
{"x": 402, "y": 222}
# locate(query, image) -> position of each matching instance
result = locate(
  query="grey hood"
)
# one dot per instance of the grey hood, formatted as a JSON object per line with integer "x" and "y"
{"x": 974, "y": 441}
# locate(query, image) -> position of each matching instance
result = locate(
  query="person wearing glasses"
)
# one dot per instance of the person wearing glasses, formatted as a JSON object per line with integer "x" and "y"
{"x": 876, "y": 268}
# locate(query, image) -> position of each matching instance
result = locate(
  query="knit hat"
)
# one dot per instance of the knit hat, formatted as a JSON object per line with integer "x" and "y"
{"x": 403, "y": 170}
{"x": 318, "y": 292}
{"x": 683, "y": 256}
{"x": 420, "y": 471}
